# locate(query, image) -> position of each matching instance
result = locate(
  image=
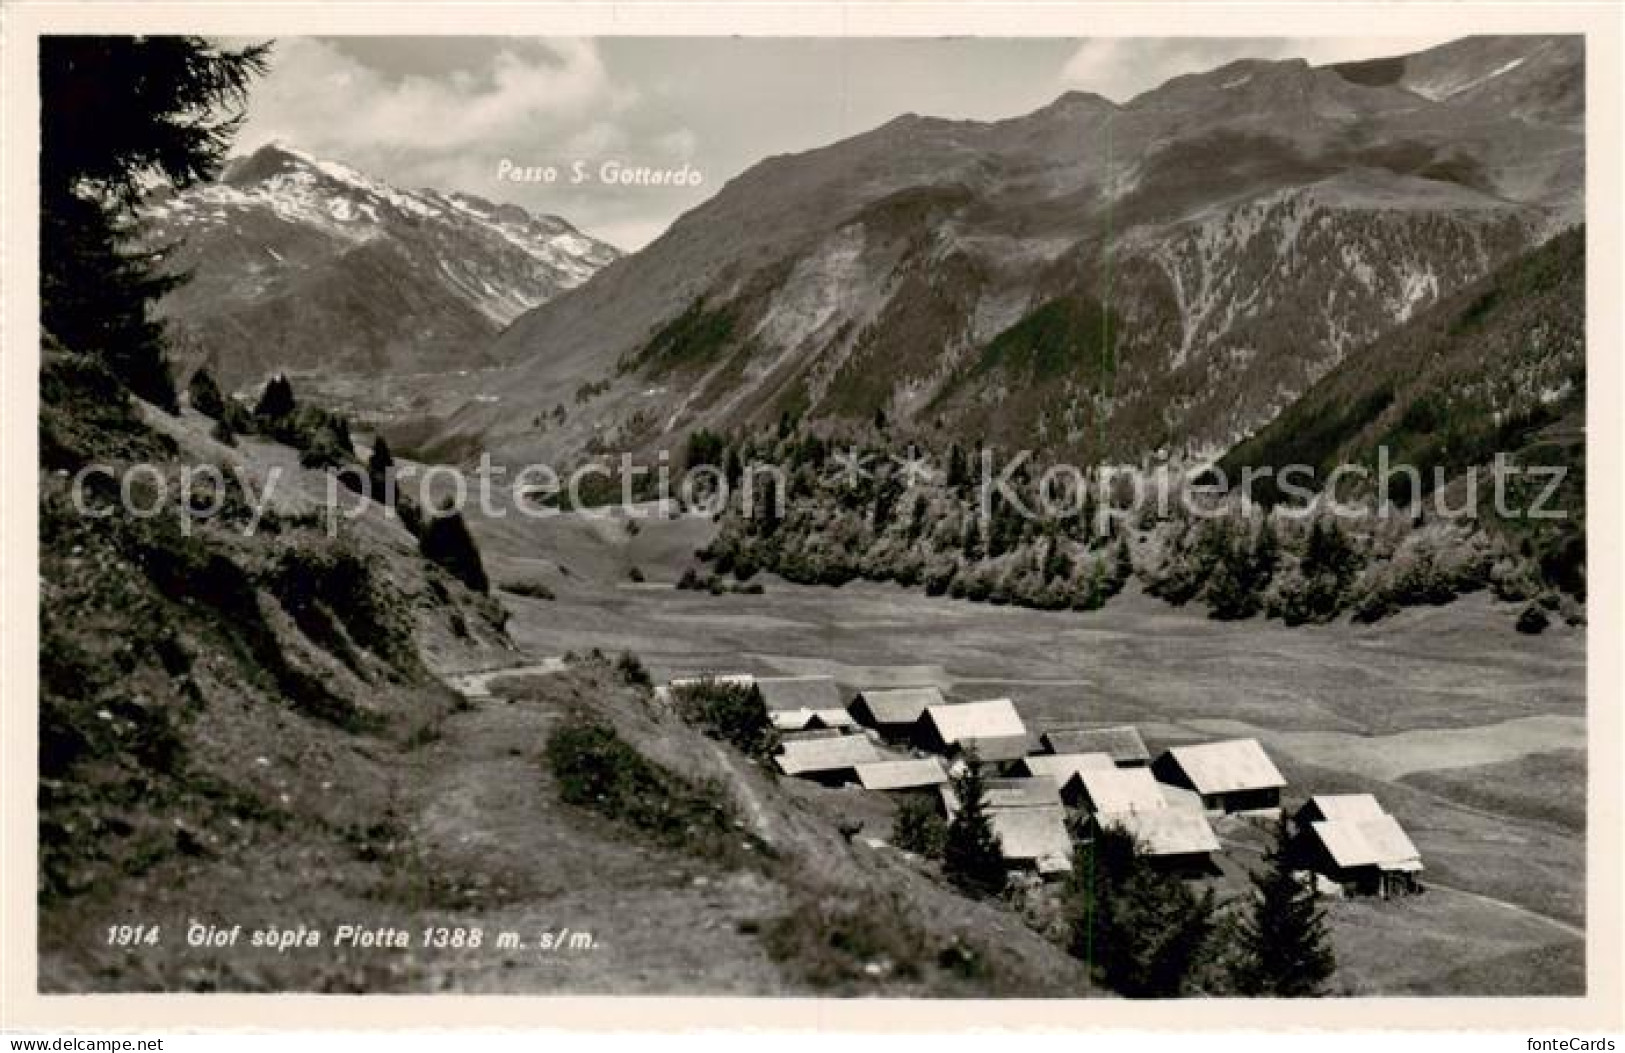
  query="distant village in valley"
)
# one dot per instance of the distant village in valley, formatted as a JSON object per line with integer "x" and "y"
{"x": 1048, "y": 791}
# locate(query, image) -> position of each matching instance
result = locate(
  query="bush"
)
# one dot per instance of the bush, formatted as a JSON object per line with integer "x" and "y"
{"x": 535, "y": 590}
{"x": 836, "y": 942}
{"x": 632, "y": 670}
{"x": 1533, "y": 620}
{"x": 731, "y": 713}
{"x": 919, "y": 827}
{"x": 597, "y": 769}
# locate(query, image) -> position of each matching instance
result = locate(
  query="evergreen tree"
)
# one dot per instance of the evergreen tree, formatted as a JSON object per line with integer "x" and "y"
{"x": 204, "y": 394}
{"x": 380, "y": 471}
{"x": 117, "y": 113}
{"x": 972, "y": 858}
{"x": 1285, "y": 949}
{"x": 445, "y": 540}
{"x": 1144, "y": 933}
{"x": 276, "y": 401}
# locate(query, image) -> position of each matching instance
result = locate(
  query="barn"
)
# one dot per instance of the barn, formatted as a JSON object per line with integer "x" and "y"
{"x": 832, "y": 761}
{"x": 1060, "y": 767}
{"x": 1350, "y": 840}
{"x": 1034, "y": 837}
{"x": 799, "y": 692}
{"x": 1113, "y": 791}
{"x": 992, "y": 727}
{"x": 1123, "y": 743}
{"x": 1171, "y": 839}
{"x": 811, "y": 720}
{"x": 1231, "y": 776}
{"x": 894, "y": 712}
{"x": 913, "y": 774}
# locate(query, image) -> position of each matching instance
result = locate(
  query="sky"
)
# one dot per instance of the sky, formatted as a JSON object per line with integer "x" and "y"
{"x": 493, "y": 115}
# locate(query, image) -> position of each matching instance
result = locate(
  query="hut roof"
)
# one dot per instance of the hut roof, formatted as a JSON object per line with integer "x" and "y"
{"x": 1061, "y": 766}
{"x": 736, "y": 679}
{"x": 900, "y": 705}
{"x": 1008, "y": 793}
{"x": 1227, "y": 767}
{"x": 977, "y": 721}
{"x": 802, "y": 719}
{"x": 1002, "y": 748}
{"x": 1122, "y": 743}
{"x": 1034, "y": 834}
{"x": 808, "y": 756}
{"x": 1379, "y": 842}
{"x": 799, "y": 692}
{"x": 1349, "y": 806}
{"x": 1165, "y": 831}
{"x": 1116, "y": 790}
{"x": 902, "y": 774}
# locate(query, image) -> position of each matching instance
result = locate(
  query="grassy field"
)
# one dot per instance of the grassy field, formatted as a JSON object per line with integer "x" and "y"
{"x": 1472, "y": 734}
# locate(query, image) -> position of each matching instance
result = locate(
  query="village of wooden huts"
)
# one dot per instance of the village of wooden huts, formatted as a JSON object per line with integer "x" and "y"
{"x": 1045, "y": 791}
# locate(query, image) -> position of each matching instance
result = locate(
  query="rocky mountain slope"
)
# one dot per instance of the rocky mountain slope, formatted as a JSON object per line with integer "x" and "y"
{"x": 1095, "y": 278}
{"x": 305, "y": 264}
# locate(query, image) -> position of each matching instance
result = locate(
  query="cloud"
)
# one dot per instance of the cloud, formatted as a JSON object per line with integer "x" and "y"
{"x": 1123, "y": 67}
{"x": 418, "y": 129}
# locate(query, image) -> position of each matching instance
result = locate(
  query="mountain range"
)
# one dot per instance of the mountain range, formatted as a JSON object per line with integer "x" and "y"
{"x": 302, "y": 264}
{"x": 1097, "y": 279}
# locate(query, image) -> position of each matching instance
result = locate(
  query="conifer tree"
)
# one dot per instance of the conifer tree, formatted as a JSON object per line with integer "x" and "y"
{"x": 446, "y": 541}
{"x": 204, "y": 394}
{"x": 972, "y": 857}
{"x": 1285, "y": 950}
{"x": 276, "y": 401}
{"x": 380, "y": 467}
{"x": 117, "y": 114}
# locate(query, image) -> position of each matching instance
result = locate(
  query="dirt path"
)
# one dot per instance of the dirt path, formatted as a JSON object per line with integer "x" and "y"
{"x": 509, "y": 857}
{"x": 477, "y": 685}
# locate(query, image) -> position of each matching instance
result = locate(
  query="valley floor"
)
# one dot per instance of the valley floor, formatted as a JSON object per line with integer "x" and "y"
{"x": 1473, "y": 735}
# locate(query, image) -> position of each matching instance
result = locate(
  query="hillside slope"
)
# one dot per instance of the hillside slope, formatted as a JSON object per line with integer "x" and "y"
{"x": 211, "y": 682}
{"x": 1092, "y": 278}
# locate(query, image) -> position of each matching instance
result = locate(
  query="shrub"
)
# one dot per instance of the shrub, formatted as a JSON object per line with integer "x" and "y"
{"x": 835, "y": 941}
{"x": 632, "y": 670}
{"x": 595, "y": 768}
{"x": 223, "y": 433}
{"x": 1533, "y": 620}
{"x": 731, "y": 713}
{"x": 535, "y": 590}
{"x": 918, "y": 826}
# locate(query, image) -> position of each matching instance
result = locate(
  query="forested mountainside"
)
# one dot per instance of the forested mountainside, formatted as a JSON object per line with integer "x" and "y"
{"x": 1093, "y": 279}
{"x": 1495, "y": 367}
{"x": 298, "y": 264}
